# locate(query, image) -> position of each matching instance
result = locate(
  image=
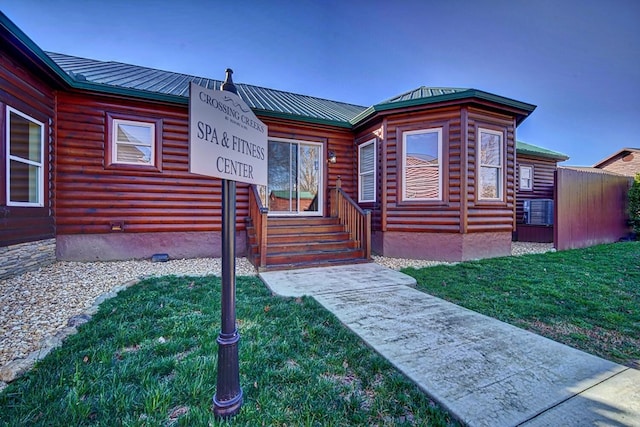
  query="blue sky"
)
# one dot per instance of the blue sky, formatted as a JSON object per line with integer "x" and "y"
{"x": 577, "y": 60}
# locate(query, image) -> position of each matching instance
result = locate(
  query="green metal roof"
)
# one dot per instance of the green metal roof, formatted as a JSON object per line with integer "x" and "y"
{"x": 144, "y": 81}
{"x": 431, "y": 95}
{"x": 533, "y": 150}
{"x": 147, "y": 83}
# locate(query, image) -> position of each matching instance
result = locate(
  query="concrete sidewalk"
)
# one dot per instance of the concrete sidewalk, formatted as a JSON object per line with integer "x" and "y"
{"x": 485, "y": 372}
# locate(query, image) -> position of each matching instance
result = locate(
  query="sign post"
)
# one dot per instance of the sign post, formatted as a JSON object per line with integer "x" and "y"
{"x": 226, "y": 140}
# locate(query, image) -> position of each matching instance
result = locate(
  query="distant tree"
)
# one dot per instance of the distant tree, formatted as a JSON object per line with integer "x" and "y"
{"x": 634, "y": 205}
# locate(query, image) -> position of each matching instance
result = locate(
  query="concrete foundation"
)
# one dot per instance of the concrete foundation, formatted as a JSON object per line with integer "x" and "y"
{"x": 450, "y": 247}
{"x": 123, "y": 246}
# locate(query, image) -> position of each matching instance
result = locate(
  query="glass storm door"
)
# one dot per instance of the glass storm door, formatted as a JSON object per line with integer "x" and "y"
{"x": 294, "y": 178}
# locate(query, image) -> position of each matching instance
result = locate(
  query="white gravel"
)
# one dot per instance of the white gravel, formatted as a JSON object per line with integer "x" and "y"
{"x": 36, "y": 306}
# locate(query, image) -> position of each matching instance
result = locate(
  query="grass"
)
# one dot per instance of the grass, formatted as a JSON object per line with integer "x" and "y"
{"x": 149, "y": 358}
{"x": 586, "y": 298}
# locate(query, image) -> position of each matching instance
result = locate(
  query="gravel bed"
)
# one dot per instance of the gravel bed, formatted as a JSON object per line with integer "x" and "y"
{"x": 517, "y": 248}
{"x": 35, "y": 307}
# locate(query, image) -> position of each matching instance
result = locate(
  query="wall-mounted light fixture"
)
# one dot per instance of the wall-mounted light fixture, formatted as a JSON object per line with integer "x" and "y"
{"x": 331, "y": 158}
{"x": 117, "y": 225}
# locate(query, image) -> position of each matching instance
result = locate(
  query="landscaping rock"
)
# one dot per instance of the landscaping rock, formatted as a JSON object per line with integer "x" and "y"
{"x": 39, "y": 309}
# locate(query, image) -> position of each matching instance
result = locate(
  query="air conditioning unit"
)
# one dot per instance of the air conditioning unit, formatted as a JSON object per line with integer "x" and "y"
{"x": 538, "y": 212}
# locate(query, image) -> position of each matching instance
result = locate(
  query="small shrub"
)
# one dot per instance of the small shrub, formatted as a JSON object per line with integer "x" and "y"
{"x": 634, "y": 205}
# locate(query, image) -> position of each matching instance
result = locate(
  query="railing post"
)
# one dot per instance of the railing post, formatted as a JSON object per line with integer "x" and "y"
{"x": 263, "y": 239}
{"x": 367, "y": 234}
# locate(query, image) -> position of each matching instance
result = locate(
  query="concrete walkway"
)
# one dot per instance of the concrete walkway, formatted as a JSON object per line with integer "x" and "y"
{"x": 483, "y": 371}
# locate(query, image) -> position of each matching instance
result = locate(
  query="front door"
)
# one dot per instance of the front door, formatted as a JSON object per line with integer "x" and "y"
{"x": 294, "y": 178}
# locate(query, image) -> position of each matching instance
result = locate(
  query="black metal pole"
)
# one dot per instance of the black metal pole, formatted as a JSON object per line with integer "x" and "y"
{"x": 228, "y": 397}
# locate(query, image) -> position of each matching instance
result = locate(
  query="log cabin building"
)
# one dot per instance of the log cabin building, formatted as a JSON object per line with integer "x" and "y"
{"x": 536, "y": 193}
{"x": 96, "y": 167}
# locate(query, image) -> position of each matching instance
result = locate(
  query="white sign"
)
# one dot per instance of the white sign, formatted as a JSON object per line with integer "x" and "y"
{"x": 226, "y": 140}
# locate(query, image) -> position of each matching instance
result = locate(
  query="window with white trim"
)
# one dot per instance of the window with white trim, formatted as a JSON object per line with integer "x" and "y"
{"x": 367, "y": 172}
{"x": 422, "y": 165}
{"x": 526, "y": 177}
{"x": 491, "y": 168}
{"x": 25, "y": 159}
{"x": 133, "y": 142}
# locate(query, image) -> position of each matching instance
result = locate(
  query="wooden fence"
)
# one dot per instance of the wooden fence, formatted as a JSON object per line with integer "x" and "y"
{"x": 591, "y": 208}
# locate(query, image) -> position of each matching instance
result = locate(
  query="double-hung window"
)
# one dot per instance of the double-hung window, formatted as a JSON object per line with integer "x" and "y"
{"x": 526, "y": 177}
{"x": 25, "y": 162}
{"x": 422, "y": 165}
{"x": 133, "y": 142}
{"x": 367, "y": 172}
{"x": 491, "y": 167}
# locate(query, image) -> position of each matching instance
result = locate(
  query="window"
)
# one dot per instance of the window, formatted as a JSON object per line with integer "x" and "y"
{"x": 422, "y": 165}
{"x": 25, "y": 163}
{"x": 491, "y": 169}
{"x": 367, "y": 172}
{"x": 526, "y": 177}
{"x": 133, "y": 143}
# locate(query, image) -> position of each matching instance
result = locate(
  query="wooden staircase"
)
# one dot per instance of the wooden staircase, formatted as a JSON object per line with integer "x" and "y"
{"x": 301, "y": 242}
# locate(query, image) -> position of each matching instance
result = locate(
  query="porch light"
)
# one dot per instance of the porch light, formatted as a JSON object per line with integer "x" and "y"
{"x": 332, "y": 157}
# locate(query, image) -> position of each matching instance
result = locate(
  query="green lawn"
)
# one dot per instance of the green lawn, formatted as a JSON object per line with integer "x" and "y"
{"x": 148, "y": 358}
{"x": 586, "y": 298}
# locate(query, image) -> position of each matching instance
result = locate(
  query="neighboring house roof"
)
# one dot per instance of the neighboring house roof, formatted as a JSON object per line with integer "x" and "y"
{"x": 523, "y": 148}
{"x": 624, "y": 162}
{"x": 148, "y": 83}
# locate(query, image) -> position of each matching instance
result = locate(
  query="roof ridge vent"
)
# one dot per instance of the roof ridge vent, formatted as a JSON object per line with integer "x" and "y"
{"x": 78, "y": 76}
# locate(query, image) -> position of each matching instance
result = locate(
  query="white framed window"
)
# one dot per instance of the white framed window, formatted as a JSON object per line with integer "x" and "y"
{"x": 525, "y": 174}
{"x": 422, "y": 165}
{"x": 367, "y": 172}
{"x": 25, "y": 159}
{"x": 491, "y": 167}
{"x": 133, "y": 142}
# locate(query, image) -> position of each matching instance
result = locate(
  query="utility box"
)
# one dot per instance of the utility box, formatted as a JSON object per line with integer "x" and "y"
{"x": 538, "y": 212}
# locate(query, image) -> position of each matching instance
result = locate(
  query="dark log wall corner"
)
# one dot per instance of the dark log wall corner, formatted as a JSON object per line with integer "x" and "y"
{"x": 31, "y": 95}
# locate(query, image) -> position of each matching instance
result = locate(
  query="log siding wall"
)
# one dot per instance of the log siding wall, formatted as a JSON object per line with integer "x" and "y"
{"x": 490, "y": 215}
{"x": 92, "y": 197}
{"x": 30, "y": 95}
{"x": 95, "y": 198}
{"x": 459, "y": 211}
{"x": 423, "y": 216}
{"x": 460, "y": 226}
{"x": 543, "y": 182}
{"x": 338, "y": 140}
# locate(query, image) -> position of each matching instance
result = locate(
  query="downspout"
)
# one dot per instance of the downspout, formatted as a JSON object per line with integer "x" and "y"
{"x": 53, "y": 160}
{"x": 515, "y": 173}
{"x": 464, "y": 179}
{"x": 383, "y": 176}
